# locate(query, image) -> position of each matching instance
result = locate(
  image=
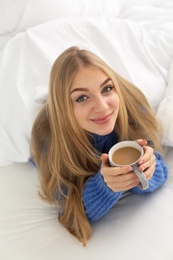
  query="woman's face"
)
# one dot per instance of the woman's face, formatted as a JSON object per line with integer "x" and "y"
{"x": 95, "y": 101}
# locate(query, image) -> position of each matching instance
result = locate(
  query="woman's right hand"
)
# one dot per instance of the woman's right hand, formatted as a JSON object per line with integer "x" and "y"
{"x": 118, "y": 178}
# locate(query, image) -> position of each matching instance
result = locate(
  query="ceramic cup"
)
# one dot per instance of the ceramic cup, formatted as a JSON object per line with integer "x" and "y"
{"x": 128, "y": 153}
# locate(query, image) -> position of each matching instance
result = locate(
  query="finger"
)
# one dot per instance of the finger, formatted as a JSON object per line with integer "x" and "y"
{"x": 148, "y": 153}
{"x": 121, "y": 181}
{"x": 104, "y": 159}
{"x": 124, "y": 178}
{"x": 147, "y": 164}
{"x": 110, "y": 174}
{"x": 150, "y": 171}
{"x": 116, "y": 187}
{"x": 141, "y": 142}
{"x": 120, "y": 178}
{"x": 106, "y": 170}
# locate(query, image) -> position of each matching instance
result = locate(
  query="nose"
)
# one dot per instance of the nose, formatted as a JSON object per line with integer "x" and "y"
{"x": 100, "y": 104}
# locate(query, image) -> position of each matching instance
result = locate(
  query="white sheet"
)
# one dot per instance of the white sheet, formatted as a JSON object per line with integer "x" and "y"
{"x": 138, "y": 227}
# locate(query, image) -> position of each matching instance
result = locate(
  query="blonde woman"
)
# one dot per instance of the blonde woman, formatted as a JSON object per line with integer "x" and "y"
{"x": 89, "y": 109}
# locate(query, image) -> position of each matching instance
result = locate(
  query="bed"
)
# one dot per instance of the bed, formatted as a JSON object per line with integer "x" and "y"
{"x": 136, "y": 39}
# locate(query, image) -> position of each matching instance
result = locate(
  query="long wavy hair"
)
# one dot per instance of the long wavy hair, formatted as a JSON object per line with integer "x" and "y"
{"x": 62, "y": 150}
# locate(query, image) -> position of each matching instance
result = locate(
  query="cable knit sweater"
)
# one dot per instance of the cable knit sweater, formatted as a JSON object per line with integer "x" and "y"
{"x": 98, "y": 198}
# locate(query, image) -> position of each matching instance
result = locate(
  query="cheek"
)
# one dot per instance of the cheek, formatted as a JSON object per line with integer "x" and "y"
{"x": 79, "y": 113}
{"x": 115, "y": 100}
{"x": 75, "y": 111}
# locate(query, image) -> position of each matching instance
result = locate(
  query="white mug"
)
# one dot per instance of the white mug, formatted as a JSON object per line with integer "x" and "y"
{"x": 127, "y": 150}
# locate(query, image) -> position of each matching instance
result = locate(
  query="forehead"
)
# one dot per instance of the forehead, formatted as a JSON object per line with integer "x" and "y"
{"x": 86, "y": 77}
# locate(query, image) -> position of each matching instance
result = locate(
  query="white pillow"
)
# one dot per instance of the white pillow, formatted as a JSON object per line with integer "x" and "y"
{"x": 165, "y": 111}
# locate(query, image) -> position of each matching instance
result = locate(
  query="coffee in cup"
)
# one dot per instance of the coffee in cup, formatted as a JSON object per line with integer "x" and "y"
{"x": 128, "y": 153}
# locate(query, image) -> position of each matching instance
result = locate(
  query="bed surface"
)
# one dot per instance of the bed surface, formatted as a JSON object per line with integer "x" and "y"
{"x": 138, "y": 227}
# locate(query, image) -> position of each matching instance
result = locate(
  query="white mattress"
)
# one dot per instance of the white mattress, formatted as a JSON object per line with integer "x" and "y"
{"x": 138, "y": 227}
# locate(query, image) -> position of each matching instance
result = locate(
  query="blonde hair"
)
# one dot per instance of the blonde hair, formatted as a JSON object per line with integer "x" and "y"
{"x": 62, "y": 150}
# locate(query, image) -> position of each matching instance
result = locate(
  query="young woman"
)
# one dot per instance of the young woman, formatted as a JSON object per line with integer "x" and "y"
{"x": 89, "y": 109}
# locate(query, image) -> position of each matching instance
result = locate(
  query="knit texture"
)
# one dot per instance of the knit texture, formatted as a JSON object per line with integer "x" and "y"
{"x": 159, "y": 176}
{"x": 98, "y": 198}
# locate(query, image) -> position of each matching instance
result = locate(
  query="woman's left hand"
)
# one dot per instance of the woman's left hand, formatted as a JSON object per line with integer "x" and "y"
{"x": 147, "y": 162}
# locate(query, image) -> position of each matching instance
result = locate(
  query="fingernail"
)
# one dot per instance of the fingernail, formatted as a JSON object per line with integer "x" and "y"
{"x": 140, "y": 162}
{"x": 129, "y": 169}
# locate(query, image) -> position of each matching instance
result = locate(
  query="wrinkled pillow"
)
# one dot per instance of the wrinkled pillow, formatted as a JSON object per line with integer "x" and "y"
{"x": 165, "y": 111}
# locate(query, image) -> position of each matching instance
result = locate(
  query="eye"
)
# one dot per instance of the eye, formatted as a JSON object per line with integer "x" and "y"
{"x": 107, "y": 88}
{"x": 81, "y": 98}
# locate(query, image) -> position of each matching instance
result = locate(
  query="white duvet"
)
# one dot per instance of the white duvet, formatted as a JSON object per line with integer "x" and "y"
{"x": 134, "y": 37}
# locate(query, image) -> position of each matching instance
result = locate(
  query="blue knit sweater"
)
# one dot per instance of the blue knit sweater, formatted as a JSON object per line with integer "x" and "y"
{"x": 98, "y": 198}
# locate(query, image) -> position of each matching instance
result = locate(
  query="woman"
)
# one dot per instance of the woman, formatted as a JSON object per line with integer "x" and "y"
{"x": 89, "y": 109}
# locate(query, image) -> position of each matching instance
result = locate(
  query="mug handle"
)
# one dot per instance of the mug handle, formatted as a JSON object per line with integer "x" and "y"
{"x": 144, "y": 182}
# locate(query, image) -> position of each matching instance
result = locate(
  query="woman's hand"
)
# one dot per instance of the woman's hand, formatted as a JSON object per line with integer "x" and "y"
{"x": 118, "y": 178}
{"x": 147, "y": 162}
{"x": 123, "y": 178}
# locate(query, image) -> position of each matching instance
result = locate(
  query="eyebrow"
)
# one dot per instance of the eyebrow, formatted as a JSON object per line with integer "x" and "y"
{"x": 85, "y": 89}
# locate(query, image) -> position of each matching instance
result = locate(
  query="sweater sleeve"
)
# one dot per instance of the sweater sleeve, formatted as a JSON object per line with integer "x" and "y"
{"x": 159, "y": 177}
{"x": 98, "y": 199}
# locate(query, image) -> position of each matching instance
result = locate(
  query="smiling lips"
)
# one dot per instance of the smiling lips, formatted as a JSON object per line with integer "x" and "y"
{"x": 102, "y": 120}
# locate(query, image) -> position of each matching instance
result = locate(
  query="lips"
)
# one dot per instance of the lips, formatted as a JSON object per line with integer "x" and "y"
{"x": 102, "y": 120}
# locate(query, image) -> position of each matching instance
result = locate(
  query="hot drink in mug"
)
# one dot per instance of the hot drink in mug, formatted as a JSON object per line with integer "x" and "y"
{"x": 128, "y": 153}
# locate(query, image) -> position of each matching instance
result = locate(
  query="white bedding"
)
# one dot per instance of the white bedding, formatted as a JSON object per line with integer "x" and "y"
{"x": 138, "y": 227}
{"x": 136, "y": 39}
